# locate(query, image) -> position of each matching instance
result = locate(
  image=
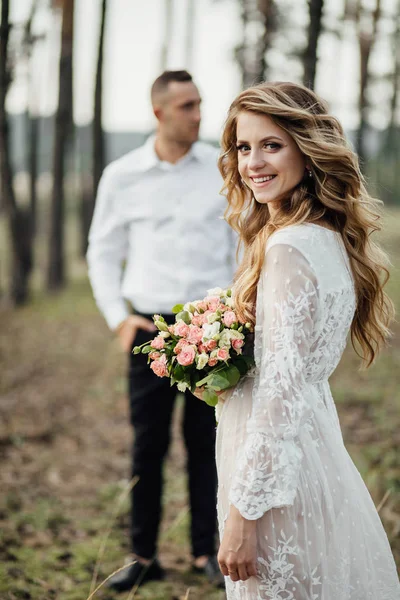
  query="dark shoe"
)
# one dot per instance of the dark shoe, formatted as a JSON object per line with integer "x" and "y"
{"x": 136, "y": 574}
{"x": 212, "y": 572}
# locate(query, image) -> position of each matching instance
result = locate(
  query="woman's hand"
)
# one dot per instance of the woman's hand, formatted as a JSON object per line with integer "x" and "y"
{"x": 238, "y": 550}
{"x": 127, "y": 330}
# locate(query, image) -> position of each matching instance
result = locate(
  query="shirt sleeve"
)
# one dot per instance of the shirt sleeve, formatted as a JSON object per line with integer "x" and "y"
{"x": 268, "y": 468}
{"x": 108, "y": 243}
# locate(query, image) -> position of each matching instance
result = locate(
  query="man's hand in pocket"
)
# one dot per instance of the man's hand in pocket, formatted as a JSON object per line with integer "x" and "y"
{"x": 127, "y": 330}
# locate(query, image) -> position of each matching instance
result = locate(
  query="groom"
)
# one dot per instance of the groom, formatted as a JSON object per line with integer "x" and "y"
{"x": 158, "y": 212}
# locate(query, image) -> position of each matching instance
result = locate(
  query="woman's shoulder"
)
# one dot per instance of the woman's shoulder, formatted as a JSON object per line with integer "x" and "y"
{"x": 305, "y": 237}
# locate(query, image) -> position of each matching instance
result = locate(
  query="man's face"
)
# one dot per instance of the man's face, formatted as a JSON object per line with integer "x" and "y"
{"x": 179, "y": 113}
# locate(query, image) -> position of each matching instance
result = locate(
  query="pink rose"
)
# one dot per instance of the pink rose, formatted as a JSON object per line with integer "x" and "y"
{"x": 202, "y": 305}
{"x": 180, "y": 346}
{"x": 211, "y": 345}
{"x": 237, "y": 344}
{"x": 195, "y": 335}
{"x": 154, "y": 355}
{"x": 186, "y": 356}
{"x": 159, "y": 366}
{"x": 212, "y": 362}
{"x": 202, "y": 348}
{"x": 222, "y": 354}
{"x": 229, "y": 318}
{"x": 158, "y": 343}
{"x": 198, "y": 320}
{"x": 181, "y": 329}
{"x": 212, "y": 302}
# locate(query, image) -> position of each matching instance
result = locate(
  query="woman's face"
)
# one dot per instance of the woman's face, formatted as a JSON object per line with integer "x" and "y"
{"x": 269, "y": 161}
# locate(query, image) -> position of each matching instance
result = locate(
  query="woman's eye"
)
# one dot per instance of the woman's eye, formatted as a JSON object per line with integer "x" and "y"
{"x": 272, "y": 146}
{"x": 243, "y": 148}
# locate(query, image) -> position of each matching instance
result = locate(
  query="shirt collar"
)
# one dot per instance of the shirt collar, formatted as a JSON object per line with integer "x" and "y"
{"x": 149, "y": 158}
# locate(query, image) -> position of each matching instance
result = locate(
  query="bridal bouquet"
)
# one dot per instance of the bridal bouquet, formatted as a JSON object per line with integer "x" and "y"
{"x": 203, "y": 348}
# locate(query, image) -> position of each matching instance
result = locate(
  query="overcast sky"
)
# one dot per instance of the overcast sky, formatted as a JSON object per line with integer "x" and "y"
{"x": 132, "y": 60}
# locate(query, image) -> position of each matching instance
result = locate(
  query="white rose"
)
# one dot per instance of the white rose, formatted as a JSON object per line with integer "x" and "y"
{"x": 165, "y": 334}
{"x": 201, "y": 360}
{"x": 235, "y": 335}
{"x": 212, "y": 318}
{"x": 210, "y": 330}
{"x": 189, "y": 307}
{"x": 229, "y": 302}
{"x": 215, "y": 292}
{"x": 182, "y": 386}
{"x": 225, "y": 338}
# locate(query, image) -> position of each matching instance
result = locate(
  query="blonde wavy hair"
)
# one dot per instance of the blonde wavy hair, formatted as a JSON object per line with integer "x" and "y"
{"x": 334, "y": 195}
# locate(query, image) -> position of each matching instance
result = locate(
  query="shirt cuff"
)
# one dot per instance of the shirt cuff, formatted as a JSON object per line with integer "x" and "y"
{"x": 115, "y": 313}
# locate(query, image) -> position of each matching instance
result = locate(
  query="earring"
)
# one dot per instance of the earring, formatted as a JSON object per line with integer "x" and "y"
{"x": 309, "y": 173}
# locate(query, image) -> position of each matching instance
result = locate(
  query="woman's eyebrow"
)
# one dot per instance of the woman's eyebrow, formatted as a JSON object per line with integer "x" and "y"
{"x": 266, "y": 139}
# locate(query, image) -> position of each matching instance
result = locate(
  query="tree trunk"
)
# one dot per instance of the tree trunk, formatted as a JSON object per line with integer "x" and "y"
{"x": 63, "y": 130}
{"x": 32, "y": 119}
{"x": 89, "y": 184}
{"x": 388, "y": 172}
{"x": 366, "y": 41}
{"x": 266, "y": 9}
{"x": 240, "y": 49}
{"x": 167, "y": 34}
{"x": 33, "y": 145}
{"x": 395, "y": 78}
{"x": 19, "y": 221}
{"x": 190, "y": 27}
{"x": 259, "y": 14}
{"x": 315, "y": 8}
{"x": 98, "y": 134}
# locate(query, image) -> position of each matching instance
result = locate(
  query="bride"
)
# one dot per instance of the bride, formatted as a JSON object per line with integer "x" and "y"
{"x": 296, "y": 520}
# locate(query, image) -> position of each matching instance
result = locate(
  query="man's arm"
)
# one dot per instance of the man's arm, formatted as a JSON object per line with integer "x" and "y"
{"x": 108, "y": 245}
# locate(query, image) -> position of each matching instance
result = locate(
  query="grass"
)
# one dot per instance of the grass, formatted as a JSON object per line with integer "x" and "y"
{"x": 65, "y": 440}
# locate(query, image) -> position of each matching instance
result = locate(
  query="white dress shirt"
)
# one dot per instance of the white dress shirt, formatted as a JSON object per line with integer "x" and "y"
{"x": 158, "y": 237}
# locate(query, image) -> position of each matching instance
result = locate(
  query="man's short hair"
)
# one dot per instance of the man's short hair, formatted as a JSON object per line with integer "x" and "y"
{"x": 162, "y": 82}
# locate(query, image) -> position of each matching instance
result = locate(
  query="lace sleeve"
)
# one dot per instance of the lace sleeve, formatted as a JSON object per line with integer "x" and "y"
{"x": 268, "y": 466}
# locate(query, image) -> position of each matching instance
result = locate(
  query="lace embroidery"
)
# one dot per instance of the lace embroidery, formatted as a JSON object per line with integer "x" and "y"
{"x": 268, "y": 468}
{"x": 278, "y": 579}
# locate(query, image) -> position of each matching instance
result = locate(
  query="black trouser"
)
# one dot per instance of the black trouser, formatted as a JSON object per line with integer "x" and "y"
{"x": 151, "y": 403}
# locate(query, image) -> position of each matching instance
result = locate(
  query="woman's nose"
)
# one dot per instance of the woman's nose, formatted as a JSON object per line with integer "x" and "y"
{"x": 256, "y": 160}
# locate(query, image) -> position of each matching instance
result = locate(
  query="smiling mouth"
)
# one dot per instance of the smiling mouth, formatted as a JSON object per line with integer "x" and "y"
{"x": 263, "y": 179}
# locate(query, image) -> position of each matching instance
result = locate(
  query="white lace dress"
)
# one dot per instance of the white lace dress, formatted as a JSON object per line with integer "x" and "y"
{"x": 280, "y": 453}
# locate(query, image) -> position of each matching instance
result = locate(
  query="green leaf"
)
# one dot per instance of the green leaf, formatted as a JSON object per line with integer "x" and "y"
{"x": 249, "y": 360}
{"x": 243, "y": 363}
{"x": 184, "y": 315}
{"x": 177, "y": 308}
{"x": 210, "y": 397}
{"x": 186, "y": 377}
{"x": 224, "y": 379}
{"x": 179, "y": 372}
{"x": 147, "y": 349}
{"x": 194, "y": 378}
{"x": 213, "y": 371}
{"x": 203, "y": 381}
